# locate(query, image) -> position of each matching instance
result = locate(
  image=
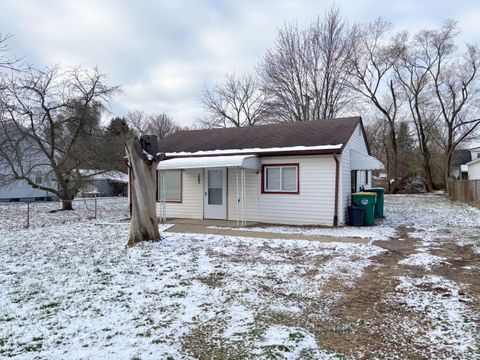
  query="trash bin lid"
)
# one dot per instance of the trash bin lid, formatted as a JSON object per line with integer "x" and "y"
{"x": 378, "y": 189}
{"x": 364, "y": 193}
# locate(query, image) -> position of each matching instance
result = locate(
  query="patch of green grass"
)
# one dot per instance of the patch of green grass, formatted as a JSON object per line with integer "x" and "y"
{"x": 33, "y": 347}
{"x": 214, "y": 280}
{"x": 296, "y": 336}
{"x": 50, "y": 305}
{"x": 275, "y": 351}
{"x": 178, "y": 294}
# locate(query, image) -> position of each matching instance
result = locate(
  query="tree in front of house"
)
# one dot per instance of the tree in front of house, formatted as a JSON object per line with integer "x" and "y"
{"x": 49, "y": 119}
{"x": 143, "y": 158}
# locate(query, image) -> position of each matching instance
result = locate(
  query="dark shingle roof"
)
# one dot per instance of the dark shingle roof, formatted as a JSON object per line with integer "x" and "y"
{"x": 461, "y": 157}
{"x": 313, "y": 133}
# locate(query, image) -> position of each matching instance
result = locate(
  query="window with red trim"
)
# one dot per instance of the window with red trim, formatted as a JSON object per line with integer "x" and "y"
{"x": 280, "y": 178}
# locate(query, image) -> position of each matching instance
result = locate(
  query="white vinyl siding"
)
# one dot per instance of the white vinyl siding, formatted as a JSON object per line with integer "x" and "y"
{"x": 191, "y": 206}
{"x": 474, "y": 171}
{"x": 313, "y": 205}
{"x": 357, "y": 143}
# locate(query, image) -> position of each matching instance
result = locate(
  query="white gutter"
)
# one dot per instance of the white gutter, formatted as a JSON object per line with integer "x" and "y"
{"x": 254, "y": 150}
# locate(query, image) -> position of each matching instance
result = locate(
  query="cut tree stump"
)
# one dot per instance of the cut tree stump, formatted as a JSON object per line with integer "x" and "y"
{"x": 143, "y": 158}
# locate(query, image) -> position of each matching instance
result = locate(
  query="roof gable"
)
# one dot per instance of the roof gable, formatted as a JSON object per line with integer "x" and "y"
{"x": 323, "y": 132}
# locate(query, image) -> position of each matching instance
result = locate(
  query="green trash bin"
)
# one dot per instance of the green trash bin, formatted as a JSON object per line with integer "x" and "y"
{"x": 380, "y": 202}
{"x": 367, "y": 201}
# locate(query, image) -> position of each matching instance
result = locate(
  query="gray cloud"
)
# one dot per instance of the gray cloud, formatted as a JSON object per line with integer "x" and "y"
{"x": 164, "y": 53}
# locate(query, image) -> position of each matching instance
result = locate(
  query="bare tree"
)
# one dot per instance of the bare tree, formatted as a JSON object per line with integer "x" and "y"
{"x": 160, "y": 125}
{"x": 456, "y": 88}
{"x": 306, "y": 71}
{"x": 7, "y": 62}
{"x": 412, "y": 71}
{"x": 49, "y": 120}
{"x": 143, "y": 158}
{"x": 373, "y": 78}
{"x": 235, "y": 102}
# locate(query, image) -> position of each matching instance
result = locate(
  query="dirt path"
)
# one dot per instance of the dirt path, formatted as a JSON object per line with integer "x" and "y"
{"x": 379, "y": 327}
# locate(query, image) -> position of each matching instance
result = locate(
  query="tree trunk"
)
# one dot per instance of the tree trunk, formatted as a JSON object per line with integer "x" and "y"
{"x": 428, "y": 174}
{"x": 427, "y": 167}
{"x": 67, "y": 204}
{"x": 142, "y": 161}
{"x": 393, "y": 187}
{"x": 448, "y": 165}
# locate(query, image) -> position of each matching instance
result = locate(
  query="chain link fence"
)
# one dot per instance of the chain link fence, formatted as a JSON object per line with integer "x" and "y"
{"x": 16, "y": 215}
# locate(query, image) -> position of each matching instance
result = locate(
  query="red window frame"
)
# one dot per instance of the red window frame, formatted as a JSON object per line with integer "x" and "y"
{"x": 181, "y": 190}
{"x": 281, "y": 192}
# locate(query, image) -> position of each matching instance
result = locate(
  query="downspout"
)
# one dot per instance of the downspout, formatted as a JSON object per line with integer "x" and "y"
{"x": 337, "y": 175}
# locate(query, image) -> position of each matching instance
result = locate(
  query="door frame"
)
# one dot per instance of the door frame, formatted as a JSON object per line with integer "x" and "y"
{"x": 224, "y": 211}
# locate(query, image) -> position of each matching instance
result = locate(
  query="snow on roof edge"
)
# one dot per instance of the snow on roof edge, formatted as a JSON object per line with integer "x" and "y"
{"x": 256, "y": 150}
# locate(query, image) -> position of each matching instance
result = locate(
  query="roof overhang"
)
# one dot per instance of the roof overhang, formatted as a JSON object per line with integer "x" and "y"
{"x": 359, "y": 161}
{"x": 240, "y": 161}
{"x": 291, "y": 150}
{"x": 472, "y": 163}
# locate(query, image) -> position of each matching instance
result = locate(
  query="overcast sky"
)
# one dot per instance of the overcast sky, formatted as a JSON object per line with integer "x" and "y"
{"x": 163, "y": 53}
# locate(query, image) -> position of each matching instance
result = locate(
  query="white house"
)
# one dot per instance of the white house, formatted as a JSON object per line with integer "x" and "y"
{"x": 104, "y": 183}
{"x": 474, "y": 169}
{"x": 20, "y": 190}
{"x": 12, "y": 190}
{"x": 470, "y": 166}
{"x": 300, "y": 173}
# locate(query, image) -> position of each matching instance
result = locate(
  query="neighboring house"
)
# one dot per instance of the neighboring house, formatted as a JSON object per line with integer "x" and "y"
{"x": 474, "y": 169}
{"x": 300, "y": 173}
{"x": 459, "y": 160}
{"x": 466, "y": 164}
{"x": 20, "y": 190}
{"x": 107, "y": 183}
{"x": 33, "y": 162}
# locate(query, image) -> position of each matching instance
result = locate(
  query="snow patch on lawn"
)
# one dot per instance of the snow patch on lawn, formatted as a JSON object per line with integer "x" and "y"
{"x": 282, "y": 342}
{"x": 422, "y": 259}
{"x": 449, "y": 325}
{"x": 42, "y": 214}
{"x": 434, "y": 218}
{"x": 379, "y": 232}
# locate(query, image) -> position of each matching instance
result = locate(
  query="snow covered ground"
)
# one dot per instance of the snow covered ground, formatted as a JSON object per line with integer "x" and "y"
{"x": 70, "y": 289}
{"x": 14, "y": 215}
{"x": 432, "y": 216}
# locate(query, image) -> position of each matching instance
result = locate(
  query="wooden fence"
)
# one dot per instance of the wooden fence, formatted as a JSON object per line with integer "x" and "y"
{"x": 467, "y": 191}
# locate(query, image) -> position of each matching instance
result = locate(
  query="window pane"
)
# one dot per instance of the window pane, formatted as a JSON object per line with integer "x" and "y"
{"x": 215, "y": 196}
{"x": 289, "y": 179}
{"x": 215, "y": 178}
{"x": 215, "y": 187}
{"x": 273, "y": 178}
{"x": 172, "y": 187}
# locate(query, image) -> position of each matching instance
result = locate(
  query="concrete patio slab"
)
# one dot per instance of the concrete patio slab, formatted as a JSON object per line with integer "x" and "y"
{"x": 205, "y": 227}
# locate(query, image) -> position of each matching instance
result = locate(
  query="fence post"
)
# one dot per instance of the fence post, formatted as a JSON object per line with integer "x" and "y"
{"x": 28, "y": 215}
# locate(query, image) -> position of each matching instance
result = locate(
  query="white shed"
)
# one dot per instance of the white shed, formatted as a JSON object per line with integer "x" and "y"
{"x": 296, "y": 173}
